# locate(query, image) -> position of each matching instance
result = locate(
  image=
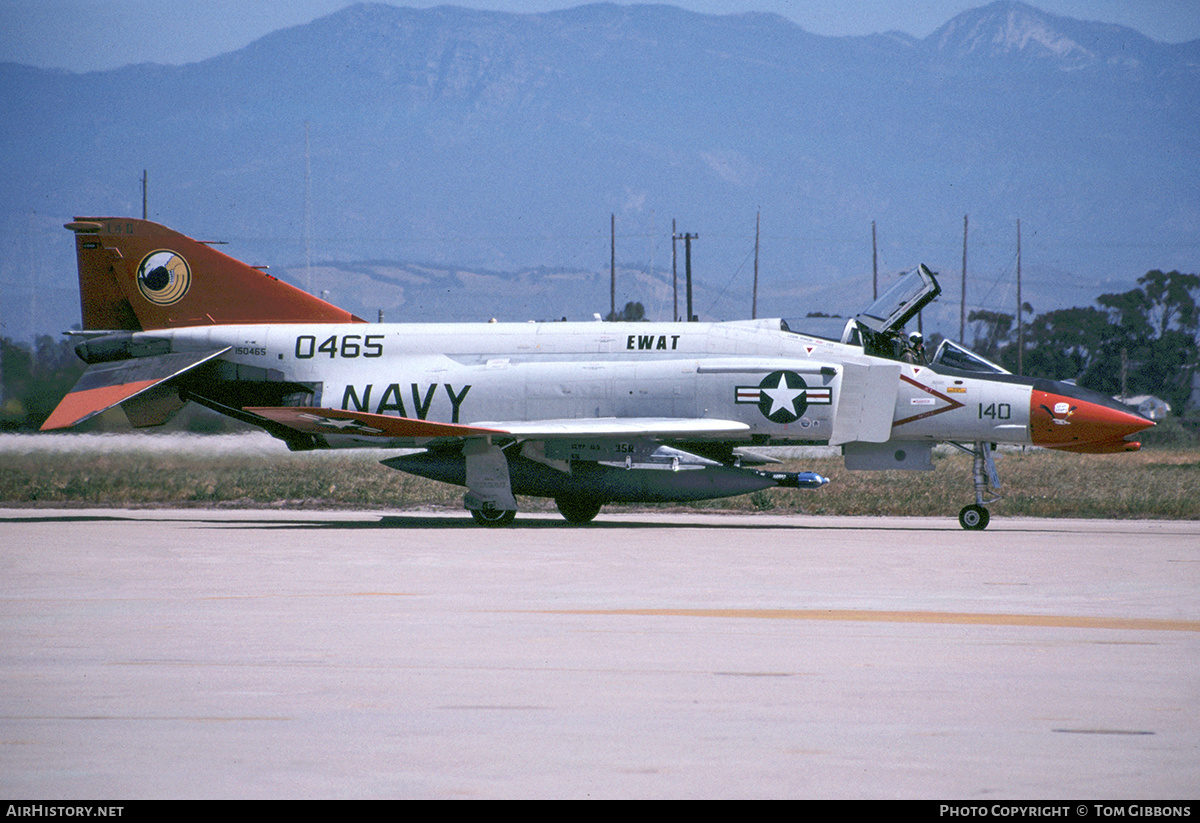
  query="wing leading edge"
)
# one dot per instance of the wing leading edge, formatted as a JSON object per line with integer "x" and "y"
{"x": 366, "y": 424}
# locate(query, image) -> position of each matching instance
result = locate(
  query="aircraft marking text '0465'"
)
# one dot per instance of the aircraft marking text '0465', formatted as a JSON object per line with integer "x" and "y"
{"x": 585, "y": 413}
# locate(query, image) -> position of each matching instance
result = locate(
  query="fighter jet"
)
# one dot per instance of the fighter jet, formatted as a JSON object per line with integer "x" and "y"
{"x": 585, "y": 413}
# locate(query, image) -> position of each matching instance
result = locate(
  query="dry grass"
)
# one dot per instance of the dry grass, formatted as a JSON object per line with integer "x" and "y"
{"x": 1149, "y": 484}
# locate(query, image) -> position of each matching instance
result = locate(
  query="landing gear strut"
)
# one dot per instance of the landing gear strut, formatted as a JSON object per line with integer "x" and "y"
{"x": 976, "y": 517}
{"x": 489, "y": 495}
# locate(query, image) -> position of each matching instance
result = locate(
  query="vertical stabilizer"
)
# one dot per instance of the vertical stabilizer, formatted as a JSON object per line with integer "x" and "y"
{"x": 136, "y": 275}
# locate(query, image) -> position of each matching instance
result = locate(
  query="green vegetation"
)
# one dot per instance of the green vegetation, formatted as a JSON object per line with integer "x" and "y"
{"x": 1154, "y": 483}
{"x": 1142, "y": 341}
{"x": 632, "y": 313}
{"x": 33, "y": 379}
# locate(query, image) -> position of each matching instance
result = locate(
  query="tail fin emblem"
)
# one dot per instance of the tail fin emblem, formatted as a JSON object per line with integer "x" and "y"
{"x": 163, "y": 277}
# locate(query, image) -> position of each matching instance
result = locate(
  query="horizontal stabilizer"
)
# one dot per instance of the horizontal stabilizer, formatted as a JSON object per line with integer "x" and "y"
{"x": 104, "y": 385}
{"x": 343, "y": 421}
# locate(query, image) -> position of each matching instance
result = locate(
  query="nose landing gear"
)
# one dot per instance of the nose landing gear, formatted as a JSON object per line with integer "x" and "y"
{"x": 987, "y": 485}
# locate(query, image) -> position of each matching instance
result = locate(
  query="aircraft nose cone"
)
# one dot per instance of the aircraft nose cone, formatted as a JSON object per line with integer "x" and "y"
{"x": 1062, "y": 416}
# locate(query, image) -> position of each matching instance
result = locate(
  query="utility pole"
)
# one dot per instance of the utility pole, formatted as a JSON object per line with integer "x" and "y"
{"x": 144, "y": 194}
{"x": 674, "y": 274}
{"x": 1020, "y": 309}
{"x": 962, "y": 306}
{"x": 307, "y": 213}
{"x": 612, "y": 267}
{"x": 754, "y": 298}
{"x": 687, "y": 257}
{"x": 1124, "y": 372}
{"x": 874, "y": 265}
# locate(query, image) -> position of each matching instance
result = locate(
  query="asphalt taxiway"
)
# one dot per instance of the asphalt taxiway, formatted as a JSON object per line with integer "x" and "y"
{"x": 366, "y": 654}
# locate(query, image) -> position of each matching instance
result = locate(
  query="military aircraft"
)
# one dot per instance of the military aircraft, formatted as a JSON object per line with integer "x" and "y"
{"x": 586, "y": 413}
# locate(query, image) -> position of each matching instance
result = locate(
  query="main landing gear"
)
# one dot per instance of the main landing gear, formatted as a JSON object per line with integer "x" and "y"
{"x": 976, "y": 517}
{"x": 578, "y": 510}
{"x": 489, "y": 515}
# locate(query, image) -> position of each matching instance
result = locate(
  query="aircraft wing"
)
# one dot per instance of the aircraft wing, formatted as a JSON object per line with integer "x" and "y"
{"x": 666, "y": 427}
{"x": 345, "y": 421}
{"x": 104, "y": 385}
{"x": 365, "y": 424}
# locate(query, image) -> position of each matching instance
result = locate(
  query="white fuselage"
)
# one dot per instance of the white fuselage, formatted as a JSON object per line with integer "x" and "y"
{"x": 787, "y": 387}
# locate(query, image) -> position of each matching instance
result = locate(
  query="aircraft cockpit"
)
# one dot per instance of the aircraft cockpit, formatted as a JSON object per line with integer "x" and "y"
{"x": 954, "y": 356}
{"x": 879, "y": 328}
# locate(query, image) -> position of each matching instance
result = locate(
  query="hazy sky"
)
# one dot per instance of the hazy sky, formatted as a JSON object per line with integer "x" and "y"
{"x": 85, "y": 35}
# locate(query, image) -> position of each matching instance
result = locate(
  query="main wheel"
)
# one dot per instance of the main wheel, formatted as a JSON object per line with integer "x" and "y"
{"x": 491, "y": 516}
{"x": 974, "y": 517}
{"x": 578, "y": 509}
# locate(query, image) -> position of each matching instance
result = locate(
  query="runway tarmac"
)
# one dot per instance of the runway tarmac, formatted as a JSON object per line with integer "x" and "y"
{"x": 234, "y": 654}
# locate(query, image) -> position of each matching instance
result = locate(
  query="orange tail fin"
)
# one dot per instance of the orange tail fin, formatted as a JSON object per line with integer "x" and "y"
{"x": 135, "y": 275}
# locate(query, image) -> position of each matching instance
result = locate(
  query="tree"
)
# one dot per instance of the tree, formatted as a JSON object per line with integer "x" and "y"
{"x": 1147, "y": 334}
{"x": 632, "y": 312}
{"x": 1061, "y": 344}
{"x": 1171, "y": 299}
{"x": 992, "y": 329}
{"x": 1152, "y": 340}
{"x": 35, "y": 379}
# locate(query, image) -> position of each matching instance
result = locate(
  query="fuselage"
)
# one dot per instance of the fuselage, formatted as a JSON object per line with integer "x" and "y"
{"x": 787, "y": 388}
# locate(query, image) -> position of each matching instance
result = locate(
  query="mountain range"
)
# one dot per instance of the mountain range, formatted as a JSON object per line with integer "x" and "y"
{"x": 451, "y": 164}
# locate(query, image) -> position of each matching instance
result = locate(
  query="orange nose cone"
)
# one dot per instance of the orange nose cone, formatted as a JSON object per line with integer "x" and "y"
{"x": 1073, "y": 417}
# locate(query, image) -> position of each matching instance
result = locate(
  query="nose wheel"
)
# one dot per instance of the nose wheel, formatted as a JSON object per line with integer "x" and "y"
{"x": 974, "y": 517}
{"x": 987, "y": 485}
